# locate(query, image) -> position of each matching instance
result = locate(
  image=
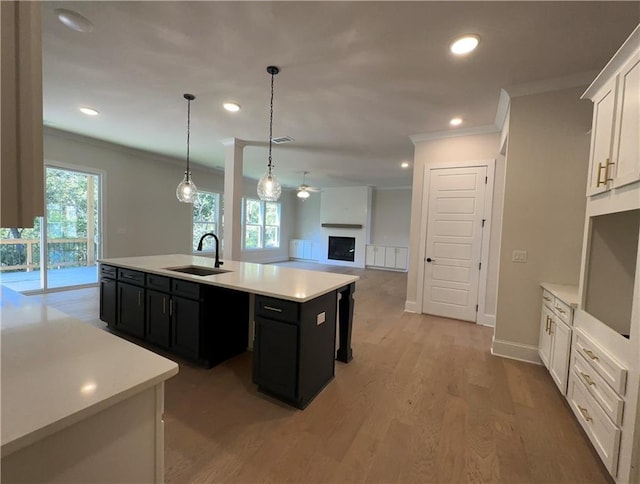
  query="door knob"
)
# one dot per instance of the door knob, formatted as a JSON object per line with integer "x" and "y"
{"x": 429, "y": 259}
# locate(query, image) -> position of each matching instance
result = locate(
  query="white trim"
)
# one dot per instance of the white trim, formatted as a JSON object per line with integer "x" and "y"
{"x": 454, "y": 133}
{"x": 515, "y": 351}
{"x": 504, "y": 101}
{"x": 486, "y": 234}
{"x": 487, "y": 320}
{"x": 411, "y": 307}
{"x": 547, "y": 85}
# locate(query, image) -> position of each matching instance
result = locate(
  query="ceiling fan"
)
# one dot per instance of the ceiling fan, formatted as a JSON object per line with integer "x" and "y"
{"x": 305, "y": 190}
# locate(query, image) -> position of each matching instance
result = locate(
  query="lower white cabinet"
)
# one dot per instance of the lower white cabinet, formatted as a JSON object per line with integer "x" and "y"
{"x": 387, "y": 257}
{"x": 554, "y": 344}
{"x": 302, "y": 249}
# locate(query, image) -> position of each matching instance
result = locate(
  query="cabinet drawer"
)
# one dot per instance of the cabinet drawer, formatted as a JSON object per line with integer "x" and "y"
{"x": 548, "y": 299}
{"x": 159, "y": 283}
{"x": 185, "y": 288}
{"x": 108, "y": 271}
{"x": 604, "y": 364}
{"x": 610, "y": 402}
{"x": 603, "y": 433}
{"x": 278, "y": 309}
{"x": 132, "y": 277}
{"x": 563, "y": 311}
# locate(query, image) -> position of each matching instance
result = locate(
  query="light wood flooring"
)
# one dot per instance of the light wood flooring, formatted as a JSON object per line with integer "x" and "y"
{"x": 423, "y": 401}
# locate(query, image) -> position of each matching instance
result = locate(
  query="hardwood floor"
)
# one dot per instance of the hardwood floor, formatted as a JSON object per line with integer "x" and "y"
{"x": 423, "y": 401}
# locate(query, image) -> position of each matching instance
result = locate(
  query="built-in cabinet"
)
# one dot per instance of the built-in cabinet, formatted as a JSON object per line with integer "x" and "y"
{"x": 182, "y": 317}
{"x": 604, "y": 377}
{"x": 558, "y": 303}
{"x": 303, "y": 250}
{"x": 386, "y": 257}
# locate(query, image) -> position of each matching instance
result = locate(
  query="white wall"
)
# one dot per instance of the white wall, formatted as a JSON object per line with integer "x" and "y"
{"x": 459, "y": 149}
{"x": 391, "y": 217}
{"x": 544, "y": 207}
{"x": 143, "y": 216}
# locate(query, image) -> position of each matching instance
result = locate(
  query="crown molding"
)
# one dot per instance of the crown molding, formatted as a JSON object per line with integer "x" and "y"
{"x": 454, "y": 133}
{"x": 556, "y": 84}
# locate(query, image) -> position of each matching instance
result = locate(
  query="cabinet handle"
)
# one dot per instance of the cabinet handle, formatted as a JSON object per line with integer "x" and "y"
{"x": 170, "y": 307}
{"x": 270, "y": 308}
{"x": 139, "y": 297}
{"x": 164, "y": 305}
{"x": 587, "y": 378}
{"x": 550, "y": 326}
{"x": 585, "y": 414}
{"x": 560, "y": 309}
{"x": 606, "y": 170}
{"x": 600, "y": 168}
{"x": 548, "y": 299}
{"x": 591, "y": 354}
{"x": 546, "y": 328}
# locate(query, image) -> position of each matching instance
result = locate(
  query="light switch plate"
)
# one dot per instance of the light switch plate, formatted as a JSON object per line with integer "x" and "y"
{"x": 519, "y": 256}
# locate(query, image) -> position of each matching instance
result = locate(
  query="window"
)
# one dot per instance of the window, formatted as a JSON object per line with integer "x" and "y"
{"x": 261, "y": 224}
{"x": 206, "y": 216}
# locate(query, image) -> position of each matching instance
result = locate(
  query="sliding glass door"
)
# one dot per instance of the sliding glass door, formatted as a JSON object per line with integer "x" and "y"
{"x": 67, "y": 237}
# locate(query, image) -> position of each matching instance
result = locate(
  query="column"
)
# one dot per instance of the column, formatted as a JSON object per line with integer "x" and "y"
{"x": 233, "y": 189}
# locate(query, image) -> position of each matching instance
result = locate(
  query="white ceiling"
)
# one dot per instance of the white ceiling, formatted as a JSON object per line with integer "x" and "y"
{"x": 357, "y": 78}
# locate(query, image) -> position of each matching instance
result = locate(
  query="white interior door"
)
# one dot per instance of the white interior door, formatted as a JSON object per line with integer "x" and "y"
{"x": 454, "y": 242}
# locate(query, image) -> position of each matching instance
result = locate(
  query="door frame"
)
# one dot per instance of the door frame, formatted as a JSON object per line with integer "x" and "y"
{"x": 490, "y": 165}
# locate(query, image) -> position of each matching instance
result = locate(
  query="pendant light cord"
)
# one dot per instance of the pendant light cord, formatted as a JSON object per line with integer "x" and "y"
{"x": 271, "y": 121}
{"x": 188, "y": 135}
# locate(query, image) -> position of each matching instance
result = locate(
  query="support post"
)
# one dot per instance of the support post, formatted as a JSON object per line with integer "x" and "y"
{"x": 345, "y": 322}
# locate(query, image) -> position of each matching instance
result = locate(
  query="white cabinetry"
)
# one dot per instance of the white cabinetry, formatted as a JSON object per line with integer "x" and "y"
{"x": 301, "y": 249}
{"x": 554, "y": 346}
{"x": 387, "y": 257}
{"x": 604, "y": 379}
{"x": 21, "y": 145}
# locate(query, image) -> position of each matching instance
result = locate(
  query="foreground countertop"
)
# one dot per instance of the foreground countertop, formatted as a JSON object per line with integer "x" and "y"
{"x": 565, "y": 292}
{"x": 298, "y": 285}
{"x": 57, "y": 370}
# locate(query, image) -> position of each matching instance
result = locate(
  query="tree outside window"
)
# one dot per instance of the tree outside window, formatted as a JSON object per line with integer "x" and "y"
{"x": 261, "y": 224}
{"x": 206, "y": 214}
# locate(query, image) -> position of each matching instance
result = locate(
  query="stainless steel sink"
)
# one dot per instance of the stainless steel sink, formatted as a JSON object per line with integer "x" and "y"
{"x": 197, "y": 270}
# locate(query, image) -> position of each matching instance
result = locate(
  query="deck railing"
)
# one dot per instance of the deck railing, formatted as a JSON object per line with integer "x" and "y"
{"x": 65, "y": 252}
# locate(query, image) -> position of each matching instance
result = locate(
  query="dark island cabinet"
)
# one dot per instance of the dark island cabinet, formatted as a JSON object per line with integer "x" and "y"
{"x": 186, "y": 318}
{"x": 294, "y": 347}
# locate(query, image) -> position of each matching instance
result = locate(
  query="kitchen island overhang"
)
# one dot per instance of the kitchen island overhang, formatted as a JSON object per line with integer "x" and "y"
{"x": 303, "y": 307}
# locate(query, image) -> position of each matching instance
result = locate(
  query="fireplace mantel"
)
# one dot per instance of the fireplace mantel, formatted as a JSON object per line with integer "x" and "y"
{"x": 343, "y": 226}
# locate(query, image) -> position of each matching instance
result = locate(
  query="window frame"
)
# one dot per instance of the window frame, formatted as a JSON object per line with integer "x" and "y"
{"x": 216, "y": 222}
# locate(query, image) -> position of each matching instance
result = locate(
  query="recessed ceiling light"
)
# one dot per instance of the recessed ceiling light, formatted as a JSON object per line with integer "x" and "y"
{"x": 455, "y": 121}
{"x": 89, "y": 111}
{"x": 232, "y": 107}
{"x": 404, "y": 164}
{"x": 74, "y": 20}
{"x": 465, "y": 44}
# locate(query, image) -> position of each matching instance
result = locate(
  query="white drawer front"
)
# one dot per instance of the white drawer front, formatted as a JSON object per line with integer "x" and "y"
{"x": 563, "y": 311}
{"x": 604, "y": 434}
{"x": 548, "y": 299}
{"x": 609, "y": 400}
{"x": 608, "y": 368}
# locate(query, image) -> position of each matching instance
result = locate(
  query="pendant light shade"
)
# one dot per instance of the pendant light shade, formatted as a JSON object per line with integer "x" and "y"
{"x": 186, "y": 190}
{"x": 269, "y": 187}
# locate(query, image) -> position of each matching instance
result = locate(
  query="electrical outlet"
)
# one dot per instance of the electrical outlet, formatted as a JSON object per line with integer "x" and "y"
{"x": 519, "y": 256}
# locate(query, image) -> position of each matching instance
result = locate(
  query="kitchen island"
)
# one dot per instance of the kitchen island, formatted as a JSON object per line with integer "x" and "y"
{"x": 78, "y": 404}
{"x": 210, "y": 317}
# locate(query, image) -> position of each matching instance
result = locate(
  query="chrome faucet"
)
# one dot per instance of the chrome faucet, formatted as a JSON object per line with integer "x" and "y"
{"x": 218, "y": 262}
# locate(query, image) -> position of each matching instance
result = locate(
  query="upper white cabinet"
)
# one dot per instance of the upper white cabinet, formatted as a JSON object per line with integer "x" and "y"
{"x": 21, "y": 145}
{"x": 615, "y": 142}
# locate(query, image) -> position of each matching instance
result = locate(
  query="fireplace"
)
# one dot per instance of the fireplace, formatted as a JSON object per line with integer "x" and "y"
{"x": 342, "y": 248}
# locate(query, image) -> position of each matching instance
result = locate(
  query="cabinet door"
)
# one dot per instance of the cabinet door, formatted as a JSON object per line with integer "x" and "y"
{"x": 379, "y": 256}
{"x": 602, "y": 138}
{"x": 560, "y": 348}
{"x": 370, "y": 255}
{"x": 306, "y": 249}
{"x": 626, "y": 144}
{"x": 131, "y": 309}
{"x": 158, "y": 318}
{"x": 390, "y": 257}
{"x": 186, "y": 326}
{"x": 544, "y": 341}
{"x": 292, "y": 249}
{"x": 275, "y": 357}
{"x": 402, "y": 256}
{"x": 108, "y": 301}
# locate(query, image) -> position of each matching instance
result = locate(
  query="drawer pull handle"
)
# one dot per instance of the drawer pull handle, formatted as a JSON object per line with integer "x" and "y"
{"x": 606, "y": 171}
{"x": 591, "y": 354}
{"x": 560, "y": 309}
{"x": 270, "y": 308}
{"x": 587, "y": 378}
{"x": 546, "y": 329}
{"x": 546, "y": 298}
{"x": 600, "y": 168}
{"x": 585, "y": 414}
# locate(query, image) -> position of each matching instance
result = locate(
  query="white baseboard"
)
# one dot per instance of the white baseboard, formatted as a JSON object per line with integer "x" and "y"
{"x": 515, "y": 351}
{"x": 411, "y": 307}
{"x": 487, "y": 320}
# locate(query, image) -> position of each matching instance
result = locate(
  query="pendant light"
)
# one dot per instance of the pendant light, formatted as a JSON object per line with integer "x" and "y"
{"x": 187, "y": 191}
{"x": 269, "y": 188}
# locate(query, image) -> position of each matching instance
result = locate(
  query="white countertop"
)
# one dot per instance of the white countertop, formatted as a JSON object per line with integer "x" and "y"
{"x": 57, "y": 370}
{"x": 567, "y": 293}
{"x": 298, "y": 285}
